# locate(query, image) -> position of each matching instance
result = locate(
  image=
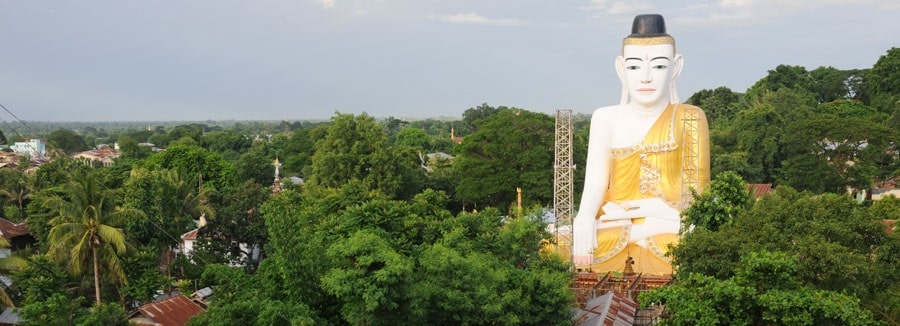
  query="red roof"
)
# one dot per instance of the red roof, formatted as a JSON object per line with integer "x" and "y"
{"x": 11, "y": 230}
{"x": 757, "y": 190}
{"x": 174, "y": 311}
{"x": 98, "y": 154}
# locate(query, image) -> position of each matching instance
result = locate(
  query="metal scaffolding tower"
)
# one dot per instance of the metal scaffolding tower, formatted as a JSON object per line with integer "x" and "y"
{"x": 563, "y": 181}
{"x": 690, "y": 159}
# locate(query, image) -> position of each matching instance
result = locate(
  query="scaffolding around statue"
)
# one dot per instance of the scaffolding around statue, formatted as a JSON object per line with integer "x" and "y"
{"x": 563, "y": 183}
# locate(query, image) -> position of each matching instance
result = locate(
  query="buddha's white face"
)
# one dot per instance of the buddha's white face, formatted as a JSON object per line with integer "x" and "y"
{"x": 647, "y": 71}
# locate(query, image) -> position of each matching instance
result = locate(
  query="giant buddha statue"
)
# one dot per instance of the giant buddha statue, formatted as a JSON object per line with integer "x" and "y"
{"x": 644, "y": 156}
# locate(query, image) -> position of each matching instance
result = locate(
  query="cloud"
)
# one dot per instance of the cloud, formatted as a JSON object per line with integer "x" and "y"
{"x": 327, "y": 4}
{"x": 617, "y": 6}
{"x": 749, "y": 12}
{"x": 473, "y": 18}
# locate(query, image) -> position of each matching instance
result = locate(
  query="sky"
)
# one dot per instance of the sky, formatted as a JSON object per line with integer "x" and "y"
{"x": 195, "y": 60}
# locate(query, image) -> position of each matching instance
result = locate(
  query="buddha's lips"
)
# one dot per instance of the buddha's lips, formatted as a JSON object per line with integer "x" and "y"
{"x": 646, "y": 89}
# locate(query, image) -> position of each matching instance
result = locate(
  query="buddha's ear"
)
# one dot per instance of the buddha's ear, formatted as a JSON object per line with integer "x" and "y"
{"x": 620, "y": 71}
{"x": 679, "y": 63}
{"x": 620, "y": 68}
{"x": 676, "y": 70}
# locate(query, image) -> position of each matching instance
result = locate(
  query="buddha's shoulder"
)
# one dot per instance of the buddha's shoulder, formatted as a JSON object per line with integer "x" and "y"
{"x": 607, "y": 111}
{"x": 687, "y": 110}
{"x": 688, "y": 107}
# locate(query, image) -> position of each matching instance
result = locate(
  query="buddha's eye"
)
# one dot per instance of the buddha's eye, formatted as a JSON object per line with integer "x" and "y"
{"x": 632, "y": 67}
{"x": 660, "y": 67}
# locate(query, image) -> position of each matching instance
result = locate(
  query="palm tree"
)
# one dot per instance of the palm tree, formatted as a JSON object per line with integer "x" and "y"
{"x": 190, "y": 195}
{"x": 7, "y": 264}
{"x": 86, "y": 226}
{"x": 19, "y": 194}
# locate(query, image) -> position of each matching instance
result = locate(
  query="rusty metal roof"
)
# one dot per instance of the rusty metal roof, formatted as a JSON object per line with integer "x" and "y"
{"x": 11, "y": 230}
{"x": 757, "y": 190}
{"x": 190, "y": 235}
{"x": 174, "y": 311}
{"x": 610, "y": 309}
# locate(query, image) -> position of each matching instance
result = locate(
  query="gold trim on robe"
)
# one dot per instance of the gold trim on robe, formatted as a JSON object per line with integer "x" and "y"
{"x": 650, "y": 169}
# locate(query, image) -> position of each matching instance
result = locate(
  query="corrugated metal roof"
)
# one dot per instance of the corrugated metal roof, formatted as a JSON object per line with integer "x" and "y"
{"x": 203, "y": 293}
{"x": 758, "y": 190}
{"x": 191, "y": 235}
{"x": 11, "y": 230}
{"x": 174, "y": 311}
{"x": 9, "y": 317}
{"x": 610, "y": 309}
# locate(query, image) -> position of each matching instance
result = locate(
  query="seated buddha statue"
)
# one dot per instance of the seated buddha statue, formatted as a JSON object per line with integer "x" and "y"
{"x": 644, "y": 157}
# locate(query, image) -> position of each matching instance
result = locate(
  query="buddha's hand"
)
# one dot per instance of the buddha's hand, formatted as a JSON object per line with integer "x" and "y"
{"x": 583, "y": 259}
{"x": 648, "y": 208}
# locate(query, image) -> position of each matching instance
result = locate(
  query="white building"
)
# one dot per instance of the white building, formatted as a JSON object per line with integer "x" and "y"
{"x": 32, "y": 147}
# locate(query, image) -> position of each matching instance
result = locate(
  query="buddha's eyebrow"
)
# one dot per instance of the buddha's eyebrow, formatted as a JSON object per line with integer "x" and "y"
{"x": 666, "y": 58}
{"x": 634, "y": 58}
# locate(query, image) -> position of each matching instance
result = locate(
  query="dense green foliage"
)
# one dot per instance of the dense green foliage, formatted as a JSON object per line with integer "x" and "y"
{"x": 356, "y": 148}
{"x": 822, "y": 259}
{"x": 764, "y": 291}
{"x": 86, "y": 227}
{"x": 727, "y": 196}
{"x": 825, "y": 130}
{"x": 512, "y": 148}
{"x": 356, "y": 257}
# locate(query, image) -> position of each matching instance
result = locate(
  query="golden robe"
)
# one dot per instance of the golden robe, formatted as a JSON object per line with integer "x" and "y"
{"x": 672, "y": 158}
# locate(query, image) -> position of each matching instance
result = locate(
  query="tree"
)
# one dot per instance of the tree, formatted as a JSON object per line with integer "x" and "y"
{"x": 415, "y": 138}
{"x": 818, "y": 232}
{"x": 237, "y": 233}
{"x": 369, "y": 278}
{"x": 882, "y": 82}
{"x": 86, "y": 227}
{"x": 760, "y": 132}
{"x": 393, "y": 125}
{"x": 57, "y": 309}
{"x": 720, "y": 104}
{"x": 810, "y": 172}
{"x": 357, "y": 148}
{"x": 144, "y": 277}
{"x": 298, "y": 151}
{"x": 472, "y": 116}
{"x": 9, "y": 264}
{"x": 192, "y": 131}
{"x": 764, "y": 291}
{"x": 210, "y": 167}
{"x": 830, "y": 84}
{"x": 229, "y": 143}
{"x": 726, "y": 196}
{"x": 57, "y": 172}
{"x": 130, "y": 149}
{"x": 354, "y": 256}
{"x": 513, "y": 148}
{"x": 795, "y": 78}
{"x": 66, "y": 140}
{"x": 859, "y": 152}
{"x": 256, "y": 164}
{"x": 170, "y": 200}
{"x": 15, "y": 186}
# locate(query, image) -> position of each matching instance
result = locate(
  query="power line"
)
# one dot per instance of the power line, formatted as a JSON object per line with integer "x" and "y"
{"x": 17, "y": 119}
{"x": 16, "y": 131}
